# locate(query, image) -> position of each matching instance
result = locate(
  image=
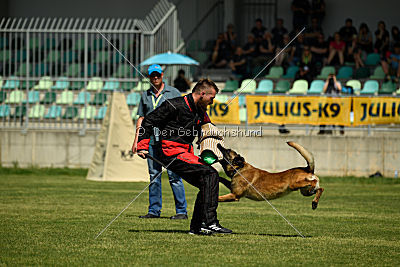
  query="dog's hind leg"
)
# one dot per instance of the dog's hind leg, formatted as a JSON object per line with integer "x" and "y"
{"x": 225, "y": 182}
{"x": 228, "y": 198}
{"x": 316, "y": 198}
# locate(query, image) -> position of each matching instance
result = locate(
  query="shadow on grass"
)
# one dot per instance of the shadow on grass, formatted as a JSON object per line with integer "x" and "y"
{"x": 186, "y": 232}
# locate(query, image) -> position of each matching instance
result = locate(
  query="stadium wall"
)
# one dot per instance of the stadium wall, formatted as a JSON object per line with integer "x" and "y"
{"x": 334, "y": 155}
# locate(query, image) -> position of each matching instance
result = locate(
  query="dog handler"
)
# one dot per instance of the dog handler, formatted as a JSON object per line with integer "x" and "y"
{"x": 150, "y": 100}
{"x": 179, "y": 121}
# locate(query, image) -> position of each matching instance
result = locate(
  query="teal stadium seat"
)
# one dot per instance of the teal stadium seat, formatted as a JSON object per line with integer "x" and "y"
{"x": 11, "y": 84}
{"x": 101, "y": 113}
{"x": 53, "y": 112}
{"x": 265, "y": 86}
{"x": 370, "y": 87}
{"x": 231, "y": 86}
{"x": 33, "y": 97}
{"x": 316, "y": 87}
{"x": 282, "y": 86}
{"x": 275, "y": 72}
{"x": 82, "y": 98}
{"x": 345, "y": 72}
{"x": 291, "y": 72}
{"x": 373, "y": 59}
{"x": 61, "y": 84}
{"x": 111, "y": 85}
{"x": 4, "y": 111}
{"x": 133, "y": 99}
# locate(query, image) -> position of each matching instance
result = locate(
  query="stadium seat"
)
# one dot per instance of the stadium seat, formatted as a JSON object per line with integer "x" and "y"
{"x": 15, "y": 97}
{"x": 127, "y": 86}
{"x": 282, "y": 86}
{"x": 299, "y": 87}
{"x": 53, "y": 57}
{"x": 102, "y": 57}
{"x": 70, "y": 56}
{"x": 5, "y": 55}
{"x": 89, "y": 112}
{"x": 21, "y": 72}
{"x": 79, "y": 45}
{"x": 66, "y": 98}
{"x": 33, "y": 97}
{"x": 133, "y": 99}
{"x": 116, "y": 58}
{"x": 70, "y": 113}
{"x": 4, "y": 111}
{"x": 362, "y": 73}
{"x": 134, "y": 115}
{"x": 372, "y": 59}
{"x": 11, "y": 84}
{"x": 378, "y": 74}
{"x": 54, "y": 112}
{"x": 33, "y": 43}
{"x": 95, "y": 84}
{"x": 200, "y": 56}
{"x": 18, "y": 56}
{"x": 242, "y": 114}
{"x": 193, "y": 45}
{"x": 316, "y": 87}
{"x": 291, "y": 72}
{"x": 124, "y": 71}
{"x": 49, "y": 44}
{"x": 142, "y": 85}
{"x": 325, "y": 72}
{"x": 258, "y": 71}
{"x": 355, "y": 84}
{"x": 73, "y": 70}
{"x": 247, "y": 86}
{"x": 111, "y": 85}
{"x": 99, "y": 99}
{"x": 387, "y": 88}
{"x": 27, "y": 84}
{"x": 370, "y": 87}
{"x": 82, "y": 98}
{"x": 275, "y": 72}
{"x": 41, "y": 69}
{"x": 77, "y": 85}
{"x": 221, "y": 98}
{"x": 20, "y": 111}
{"x": 345, "y": 72}
{"x": 231, "y": 86}
{"x": 1, "y": 81}
{"x": 101, "y": 113}
{"x": 98, "y": 44}
{"x": 3, "y": 96}
{"x": 49, "y": 98}
{"x": 265, "y": 86}
{"x": 61, "y": 84}
{"x": 92, "y": 70}
{"x": 36, "y": 112}
{"x": 44, "y": 84}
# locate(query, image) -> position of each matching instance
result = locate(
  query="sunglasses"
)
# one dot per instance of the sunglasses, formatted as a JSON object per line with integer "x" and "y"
{"x": 158, "y": 75}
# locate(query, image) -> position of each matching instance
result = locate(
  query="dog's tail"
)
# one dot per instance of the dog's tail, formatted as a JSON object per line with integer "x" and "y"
{"x": 306, "y": 155}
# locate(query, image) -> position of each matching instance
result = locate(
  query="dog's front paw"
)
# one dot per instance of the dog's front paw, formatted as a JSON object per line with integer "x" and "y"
{"x": 314, "y": 205}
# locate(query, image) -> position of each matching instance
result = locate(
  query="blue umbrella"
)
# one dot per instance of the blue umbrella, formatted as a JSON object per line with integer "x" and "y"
{"x": 170, "y": 59}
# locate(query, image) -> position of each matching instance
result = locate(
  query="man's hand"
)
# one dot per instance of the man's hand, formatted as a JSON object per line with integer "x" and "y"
{"x": 134, "y": 147}
{"x": 142, "y": 153}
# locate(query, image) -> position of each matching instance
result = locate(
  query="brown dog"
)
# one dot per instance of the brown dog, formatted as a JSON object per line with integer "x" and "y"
{"x": 270, "y": 185}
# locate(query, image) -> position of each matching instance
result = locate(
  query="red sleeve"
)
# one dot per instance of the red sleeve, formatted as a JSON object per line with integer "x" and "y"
{"x": 143, "y": 144}
{"x": 206, "y": 118}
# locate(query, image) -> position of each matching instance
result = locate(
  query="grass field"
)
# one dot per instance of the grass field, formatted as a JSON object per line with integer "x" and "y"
{"x": 50, "y": 217}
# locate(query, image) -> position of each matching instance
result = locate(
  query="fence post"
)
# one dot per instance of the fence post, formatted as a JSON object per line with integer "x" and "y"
{"x": 25, "y": 128}
{"x": 85, "y": 64}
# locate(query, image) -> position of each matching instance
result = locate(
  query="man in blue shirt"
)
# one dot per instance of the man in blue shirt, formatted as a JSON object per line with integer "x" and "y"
{"x": 150, "y": 100}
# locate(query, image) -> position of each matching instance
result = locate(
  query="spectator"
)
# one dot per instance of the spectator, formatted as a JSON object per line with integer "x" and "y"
{"x": 307, "y": 63}
{"x": 353, "y": 53}
{"x": 318, "y": 10}
{"x": 298, "y": 49}
{"x": 381, "y": 39}
{"x": 181, "y": 83}
{"x": 278, "y": 32}
{"x": 336, "y": 48}
{"x": 238, "y": 63}
{"x": 301, "y": 10}
{"x": 365, "y": 39}
{"x": 331, "y": 87}
{"x": 222, "y": 52}
{"x": 392, "y": 66}
{"x": 258, "y": 30}
{"x": 250, "y": 49}
{"x": 347, "y": 32}
{"x": 320, "y": 49}
{"x": 286, "y": 57}
{"x": 313, "y": 31}
{"x": 265, "y": 50}
{"x": 395, "y": 36}
{"x": 230, "y": 36}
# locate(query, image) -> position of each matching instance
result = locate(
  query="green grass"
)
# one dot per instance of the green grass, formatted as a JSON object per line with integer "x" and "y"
{"x": 50, "y": 217}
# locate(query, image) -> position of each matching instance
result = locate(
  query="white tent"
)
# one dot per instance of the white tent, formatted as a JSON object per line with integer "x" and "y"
{"x": 112, "y": 159}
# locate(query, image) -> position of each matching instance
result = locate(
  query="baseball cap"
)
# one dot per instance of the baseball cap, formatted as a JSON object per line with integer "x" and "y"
{"x": 153, "y": 68}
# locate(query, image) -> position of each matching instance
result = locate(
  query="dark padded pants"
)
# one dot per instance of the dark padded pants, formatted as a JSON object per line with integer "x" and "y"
{"x": 202, "y": 176}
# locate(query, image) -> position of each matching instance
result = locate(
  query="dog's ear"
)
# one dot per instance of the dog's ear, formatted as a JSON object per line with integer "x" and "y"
{"x": 239, "y": 161}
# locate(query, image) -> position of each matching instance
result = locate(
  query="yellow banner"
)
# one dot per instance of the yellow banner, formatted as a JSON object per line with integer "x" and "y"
{"x": 316, "y": 110}
{"x": 376, "y": 110}
{"x": 221, "y": 113}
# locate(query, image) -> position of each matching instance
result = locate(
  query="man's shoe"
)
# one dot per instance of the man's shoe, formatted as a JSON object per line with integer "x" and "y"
{"x": 179, "y": 217}
{"x": 216, "y": 228}
{"x": 149, "y": 216}
{"x": 199, "y": 232}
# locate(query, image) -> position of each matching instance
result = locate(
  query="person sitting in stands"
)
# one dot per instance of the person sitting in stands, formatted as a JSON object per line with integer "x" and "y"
{"x": 238, "y": 63}
{"x": 278, "y": 32}
{"x": 265, "y": 50}
{"x": 258, "y": 30}
{"x": 392, "y": 66}
{"x": 364, "y": 40}
{"x": 222, "y": 52}
{"x": 353, "y": 53}
{"x": 395, "y": 36}
{"x": 313, "y": 31}
{"x": 298, "y": 49}
{"x": 286, "y": 57}
{"x": 336, "y": 48}
{"x": 181, "y": 83}
{"x": 320, "y": 49}
{"x": 230, "y": 36}
{"x": 306, "y": 70}
{"x": 250, "y": 50}
{"x": 347, "y": 32}
{"x": 381, "y": 39}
